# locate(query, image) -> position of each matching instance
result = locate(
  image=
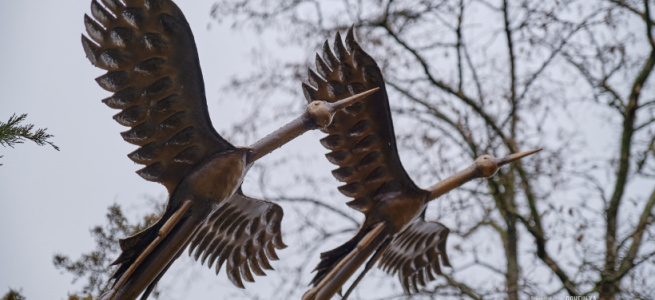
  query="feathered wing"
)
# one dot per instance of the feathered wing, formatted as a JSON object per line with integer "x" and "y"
{"x": 361, "y": 137}
{"x": 242, "y": 233}
{"x": 149, "y": 52}
{"x": 415, "y": 253}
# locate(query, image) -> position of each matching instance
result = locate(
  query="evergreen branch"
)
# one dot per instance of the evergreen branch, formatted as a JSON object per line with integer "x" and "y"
{"x": 11, "y": 133}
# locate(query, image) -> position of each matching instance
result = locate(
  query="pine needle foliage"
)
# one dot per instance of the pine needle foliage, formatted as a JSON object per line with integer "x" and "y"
{"x": 12, "y": 133}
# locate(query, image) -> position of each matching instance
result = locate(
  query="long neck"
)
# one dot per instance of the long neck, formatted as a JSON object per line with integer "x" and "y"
{"x": 453, "y": 182}
{"x": 280, "y": 137}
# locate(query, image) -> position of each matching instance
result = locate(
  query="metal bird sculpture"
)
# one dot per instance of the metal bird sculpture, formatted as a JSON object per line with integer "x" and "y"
{"x": 362, "y": 143}
{"x": 149, "y": 52}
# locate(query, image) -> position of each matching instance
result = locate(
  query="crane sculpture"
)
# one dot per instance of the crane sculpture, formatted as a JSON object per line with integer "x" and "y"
{"x": 362, "y": 143}
{"x": 153, "y": 70}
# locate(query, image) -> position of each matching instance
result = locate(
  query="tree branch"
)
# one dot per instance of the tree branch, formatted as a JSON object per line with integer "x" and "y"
{"x": 443, "y": 86}
{"x": 512, "y": 69}
{"x": 626, "y": 144}
{"x": 12, "y": 133}
{"x": 628, "y": 261}
{"x": 462, "y": 287}
{"x": 622, "y": 3}
{"x": 466, "y": 137}
{"x": 458, "y": 32}
{"x": 317, "y": 203}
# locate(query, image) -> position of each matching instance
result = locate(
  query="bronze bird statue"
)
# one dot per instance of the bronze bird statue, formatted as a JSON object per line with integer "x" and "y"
{"x": 153, "y": 70}
{"x": 363, "y": 146}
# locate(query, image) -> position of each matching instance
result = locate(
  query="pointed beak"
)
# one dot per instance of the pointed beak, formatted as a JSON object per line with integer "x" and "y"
{"x": 343, "y": 103}
{"x": 515, "y": 157}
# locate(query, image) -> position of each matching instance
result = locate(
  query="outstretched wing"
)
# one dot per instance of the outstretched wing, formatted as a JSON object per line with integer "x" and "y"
{"x": 242, "y": 231}
{"x": 415, "y": 252}
{"x": 149, "y": 52}
{"x": 361, "y": 137}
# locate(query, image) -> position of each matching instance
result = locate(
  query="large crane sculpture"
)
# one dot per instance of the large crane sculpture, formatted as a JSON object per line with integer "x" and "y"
{"x": 153, "y": 70}
{"x": 362, "y": 143}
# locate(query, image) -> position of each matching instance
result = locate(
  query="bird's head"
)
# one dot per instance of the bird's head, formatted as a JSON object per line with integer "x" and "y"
{"x": 487, "y": 165}
{"x": 322, "y": 112}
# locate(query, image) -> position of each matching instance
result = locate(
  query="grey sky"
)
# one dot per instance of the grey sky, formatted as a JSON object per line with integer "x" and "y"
{"x": 50, "y": 199}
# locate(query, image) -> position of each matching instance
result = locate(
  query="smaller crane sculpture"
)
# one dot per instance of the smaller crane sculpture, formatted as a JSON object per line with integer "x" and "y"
{"x": 149, "y": 51}
{"x": 362, "y": 144}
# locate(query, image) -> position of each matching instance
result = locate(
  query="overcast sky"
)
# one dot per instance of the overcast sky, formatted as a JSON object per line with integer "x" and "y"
{"x": 50, "y": 199}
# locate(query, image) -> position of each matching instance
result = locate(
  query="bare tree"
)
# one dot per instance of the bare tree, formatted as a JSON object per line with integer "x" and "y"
{"x": 473, "y": 77}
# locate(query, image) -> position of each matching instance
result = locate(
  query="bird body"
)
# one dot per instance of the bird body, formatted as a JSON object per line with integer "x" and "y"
{"x": 208, "y": 192}
{"x": 217, "y": 178}
{"x": 410, "y": 204}
{"x": 363, "y": 146}
{"x": 153, "y": 69}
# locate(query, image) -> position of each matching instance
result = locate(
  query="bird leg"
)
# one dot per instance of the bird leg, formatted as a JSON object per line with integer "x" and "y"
{"x": 152, "y": 284}
{"x": 368, "y": 266}
{"x": 318, "y": 114}
{"x": 333, "y": 281}
{"x": 163, "y": 232}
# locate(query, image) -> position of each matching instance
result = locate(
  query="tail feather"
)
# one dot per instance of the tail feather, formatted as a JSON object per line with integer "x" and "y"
{"x": 137, "y": 241}
{"x": 331, "y": 258}
{"x": 340, "y": 263}
{"x": 151, "y": 286}
{"x": 369, "y": 265}
{"x": 154, "y": 282}
{"x": 144, "y": 261}
{"x": 134, "y": 245}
